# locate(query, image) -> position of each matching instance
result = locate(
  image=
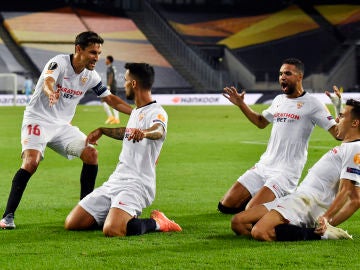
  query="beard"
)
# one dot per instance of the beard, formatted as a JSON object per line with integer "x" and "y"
{"x": 130, "y": 95}
{"x": 291, "y": 90}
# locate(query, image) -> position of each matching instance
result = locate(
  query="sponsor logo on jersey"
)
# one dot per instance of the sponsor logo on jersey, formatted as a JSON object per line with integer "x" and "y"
{"x": 285, "y": 117}
{"x": 299, "y": 105}
{"x": 69, "y": 91}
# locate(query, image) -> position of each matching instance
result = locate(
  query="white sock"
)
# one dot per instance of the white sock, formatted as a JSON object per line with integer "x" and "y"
{"x": 116, "y": 114}
{"x": 107, "y": 109}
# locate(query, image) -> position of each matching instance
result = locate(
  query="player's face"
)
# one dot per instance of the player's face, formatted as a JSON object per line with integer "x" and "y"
{"x": 128, "y": 85}
{"x": 344, "y": 121}
{"x": 289, "y": 77}
{"x": 90, "y": 55}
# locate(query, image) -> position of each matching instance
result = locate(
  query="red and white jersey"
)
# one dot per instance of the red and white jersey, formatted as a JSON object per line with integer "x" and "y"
{"x": 137, "y": 160}
{"x": 293, "y": 121}
{"x": 72, "y": 88}
{"x": 322, "y": 180}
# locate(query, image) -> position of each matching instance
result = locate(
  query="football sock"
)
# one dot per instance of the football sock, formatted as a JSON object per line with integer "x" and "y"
{"x": 19, "y": 182}
{"x": 137, "y": 226}
{"x": 107, "y": 109}
{"x": 289, "y": 232}
{"x": 229, "y": 210}
{"x": 87, "y": 179}
{"x": 116, "y": 113}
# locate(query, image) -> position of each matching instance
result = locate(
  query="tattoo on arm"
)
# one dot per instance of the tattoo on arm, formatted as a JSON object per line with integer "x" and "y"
{"x": 115, "y": 133}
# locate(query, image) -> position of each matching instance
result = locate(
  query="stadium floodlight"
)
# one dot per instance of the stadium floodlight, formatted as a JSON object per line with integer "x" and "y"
{"x": 8, "y": 84}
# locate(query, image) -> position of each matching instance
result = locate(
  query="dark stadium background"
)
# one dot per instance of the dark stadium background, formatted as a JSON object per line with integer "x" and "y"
{"x": 196, "y": 46}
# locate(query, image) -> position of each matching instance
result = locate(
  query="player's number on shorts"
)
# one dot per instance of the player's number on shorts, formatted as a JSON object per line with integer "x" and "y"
{"x": 34, "y": 130}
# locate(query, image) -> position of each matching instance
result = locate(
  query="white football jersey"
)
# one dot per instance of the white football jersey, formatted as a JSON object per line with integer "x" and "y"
{"x": 322, "y": 180}
{"x": 72, "y": 88}
{"x": 293, "y": 121}
{"x": 137, "y": 160}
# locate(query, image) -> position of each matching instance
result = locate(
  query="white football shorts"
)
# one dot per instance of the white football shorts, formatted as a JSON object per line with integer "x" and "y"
{"x": 298, "y": 208}
{"x": 279, "y": 182}
{"x": 67, "y": 140}
{"x": 126, "y": 195}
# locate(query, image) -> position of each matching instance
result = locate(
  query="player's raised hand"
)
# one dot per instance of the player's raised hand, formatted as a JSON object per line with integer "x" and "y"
{"x": 336, "y": 99}
{"x": 334, "y": 96}
{"x": 233, "y": 96}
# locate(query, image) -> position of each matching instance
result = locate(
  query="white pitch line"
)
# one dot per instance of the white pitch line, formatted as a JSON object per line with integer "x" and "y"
{"x": 264, "y": 143}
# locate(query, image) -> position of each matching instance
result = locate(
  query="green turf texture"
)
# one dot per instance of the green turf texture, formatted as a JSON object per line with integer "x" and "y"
{"x": 206, "y": 149}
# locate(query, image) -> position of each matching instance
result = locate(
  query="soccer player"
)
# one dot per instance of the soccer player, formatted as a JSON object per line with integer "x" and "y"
{"x": 112, "y": 117}
{"x": 47, "y": 118}
{"x": 116, "y": 205}
{"x": 327, "y": 196}
{"x": 28, "y": 88}
{"x": 293, "y": 115}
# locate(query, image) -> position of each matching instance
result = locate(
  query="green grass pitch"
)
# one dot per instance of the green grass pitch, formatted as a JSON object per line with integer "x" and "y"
{"x": 206, "y": 149}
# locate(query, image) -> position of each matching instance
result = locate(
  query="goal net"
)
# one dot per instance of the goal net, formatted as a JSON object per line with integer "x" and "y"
{"x": 8, "y": 88}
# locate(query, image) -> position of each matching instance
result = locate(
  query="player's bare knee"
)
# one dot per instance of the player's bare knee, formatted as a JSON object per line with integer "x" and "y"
{"x": 89, "y": 155}
{"x": 111, "y": 231}
{"x": 30, "y": 165}
{"x": 68, "y": 224}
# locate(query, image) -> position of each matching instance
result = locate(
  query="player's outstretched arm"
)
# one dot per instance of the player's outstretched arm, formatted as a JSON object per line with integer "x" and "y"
{"x": 237, "y": 99}
{"x": 118, "y": 104}
{"x": 346, "y": 189}
{"x": 153, "y": 133}
{"x": 115, "y": 133}
{"x": 49, "y": 91}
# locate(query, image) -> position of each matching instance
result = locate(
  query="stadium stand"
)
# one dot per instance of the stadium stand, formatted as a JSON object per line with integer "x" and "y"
{"x": 42, "y": 38}
{"x": 320, "y": 35}
{"x": 203, "y": 45}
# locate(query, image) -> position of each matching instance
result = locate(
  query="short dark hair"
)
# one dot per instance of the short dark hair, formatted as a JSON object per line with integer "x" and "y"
{"x": 355, "y": 111}
{"x": 84, "y": 39}
{"x": 296, "y": 62}
{"x": 143, "y": 73}
{"x": 110, "y": 58}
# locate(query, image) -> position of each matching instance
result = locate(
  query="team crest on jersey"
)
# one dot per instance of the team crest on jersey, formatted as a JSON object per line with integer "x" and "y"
{"x": 141, "y": 116}
{"x": 83, "y": 80}
{"x": 299, "y": 105}
{"x": 357, "y": 159}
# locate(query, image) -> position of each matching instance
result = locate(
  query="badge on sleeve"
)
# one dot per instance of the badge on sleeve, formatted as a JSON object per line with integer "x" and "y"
{"x": 52, "y": 66}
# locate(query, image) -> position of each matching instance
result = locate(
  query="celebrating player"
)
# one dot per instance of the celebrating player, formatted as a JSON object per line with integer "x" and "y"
{"x": 327, "y": 196}
{"x": 116, "y": 205}
{"x": 63, "y": 82}
{"x": 293, "y": 115}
